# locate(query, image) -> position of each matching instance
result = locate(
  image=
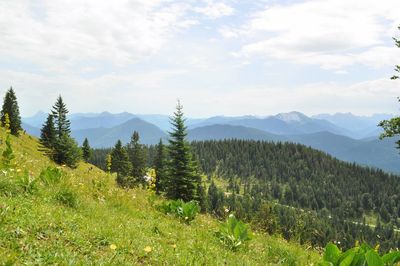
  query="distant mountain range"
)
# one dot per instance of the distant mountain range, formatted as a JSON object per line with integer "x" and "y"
{"x": 345, "y": 136}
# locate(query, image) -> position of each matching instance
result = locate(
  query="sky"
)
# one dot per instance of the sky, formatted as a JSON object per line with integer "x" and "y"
{"x": 230, "y": 57}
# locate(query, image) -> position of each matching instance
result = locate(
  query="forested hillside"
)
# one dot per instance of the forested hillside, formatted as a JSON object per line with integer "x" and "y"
{"x": 306, "y": 179}
{"x": 301, "y": 193}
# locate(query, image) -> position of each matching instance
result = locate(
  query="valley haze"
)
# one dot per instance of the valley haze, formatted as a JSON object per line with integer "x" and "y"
{"x": 346, "y": 136}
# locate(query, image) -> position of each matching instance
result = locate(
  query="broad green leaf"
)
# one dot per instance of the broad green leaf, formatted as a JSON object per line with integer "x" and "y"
{"x": 359, "y": 259}
{"x": 373, "y": 258}
{"x": 391, "y": 258}
{"x": 332, "y": 253}
{"x": 325, "y": 263}
{"x": 347, "y": 258}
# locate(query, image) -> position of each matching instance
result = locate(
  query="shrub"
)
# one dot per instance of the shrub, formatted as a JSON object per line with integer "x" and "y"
{"x": 67, "y": 198}
{"x": 234, "y": 233}
{"x": 359, "y": 255}
{"x": 8, "y": 154}
{"x": 50, "y": 175}
{"x": 27, "y": 183}
{"x": 186, "y": 211}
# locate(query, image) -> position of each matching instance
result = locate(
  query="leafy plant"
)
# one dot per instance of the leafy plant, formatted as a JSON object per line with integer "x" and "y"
{"x": 27, "y": 182}
{"x": 67, "y": 198}
{"x": 359, "y": 255}
{"x": 234, "y": 233}
{"x": 186, "y": 211}
{"x": 50, "y": 175}
{"x": 8, "y": 154}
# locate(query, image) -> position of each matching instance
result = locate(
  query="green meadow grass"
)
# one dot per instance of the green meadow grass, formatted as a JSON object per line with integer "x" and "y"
{"x": 84, "y": 219}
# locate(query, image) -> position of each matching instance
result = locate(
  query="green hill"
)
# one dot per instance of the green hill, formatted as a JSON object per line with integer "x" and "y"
{"x": 82, "y": 218}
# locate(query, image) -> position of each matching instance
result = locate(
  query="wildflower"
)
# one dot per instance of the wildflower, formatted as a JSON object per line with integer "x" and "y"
{"x": 173, "y": 246}
{"x": 113, "y": 247}
{"x": 147, "y": 249}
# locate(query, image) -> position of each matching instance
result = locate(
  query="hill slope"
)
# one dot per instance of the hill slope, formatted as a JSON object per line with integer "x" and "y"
{"x": 108, "y": 225}
{"x": 220, "y": 132}
{"x": 107, "y": 137}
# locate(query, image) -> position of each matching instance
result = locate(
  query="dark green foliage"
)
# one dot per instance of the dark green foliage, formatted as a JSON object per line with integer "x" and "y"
{"x": 67, "y": 151}
{"x": 334, "y": 195}
{"x": 182, "y": 175}
{"x": 99, "y": 158}
{"x": 55, "y": 137}
{"x": 61, "y": 121}
{"x": 86, "y": 150}
{"x": 159, "y": 167}
{"x": 10, "y": 107}
{"x": 391, "y": 128}
{"x": 266, "y": 219}
{"x": 186, "y": 211}
{"x": 234, "y": 233}
{"x": 359, "y": 255}
{"x": 67, "y": 198}
{"x": 202, "y": 197}
{"x": 215, "y": 200}
{"x": 137, "y": 157}
{"x": 48, "y": 137}
{"x": 120, "y": 164}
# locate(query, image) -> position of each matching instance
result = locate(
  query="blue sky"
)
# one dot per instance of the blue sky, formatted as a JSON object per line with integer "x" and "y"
{"x": 219, "y": 57}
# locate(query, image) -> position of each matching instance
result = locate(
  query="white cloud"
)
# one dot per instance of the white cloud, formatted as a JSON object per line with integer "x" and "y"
{"x": 364, "y": 98}
{"x": 330, "y": 33}
{"x": 214, "y": 10}
{"x": 68, "y": 32}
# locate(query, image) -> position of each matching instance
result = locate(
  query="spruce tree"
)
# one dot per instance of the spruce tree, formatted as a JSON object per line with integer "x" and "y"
{"x": 55, "y": 136}
{"x": 10, "y": 107}
{"x": 86, "y": 150}
{"x": 120, "y": 164}
{"x": 61, "y": 121}
{"x": 182, "y": 177}
{"x": 48, "y": 136}
{"x": 137, "y": 157}
{"x": 159, "y": 167}
{"x": 67, "y": 151}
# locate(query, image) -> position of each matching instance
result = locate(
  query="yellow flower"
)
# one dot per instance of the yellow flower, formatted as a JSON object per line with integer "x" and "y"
{"x": 173, "y": 246}
{"x": 147, "y": 249}
{"x": 113, "y": 247}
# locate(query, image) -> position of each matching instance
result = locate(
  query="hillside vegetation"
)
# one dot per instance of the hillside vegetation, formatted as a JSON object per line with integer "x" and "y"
{"x": 72, "y": 217}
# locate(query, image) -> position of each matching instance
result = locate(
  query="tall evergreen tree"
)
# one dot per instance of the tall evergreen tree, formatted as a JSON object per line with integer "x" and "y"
{"x": 86, "y": 150}
{"x": 10, "y": 107}
{"x": 120, "y": 164}
{"x": 182, "y": 176}
{"x": 55, "y": 136}
{"x": 61, "y": 121}
{"x": 159, "y": 166}
{"x": 48, "y": 136}
{"x": 137, "y": 157}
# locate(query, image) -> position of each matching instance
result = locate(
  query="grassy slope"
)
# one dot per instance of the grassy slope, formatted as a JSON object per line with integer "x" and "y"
{"x": 36, "y": 229}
